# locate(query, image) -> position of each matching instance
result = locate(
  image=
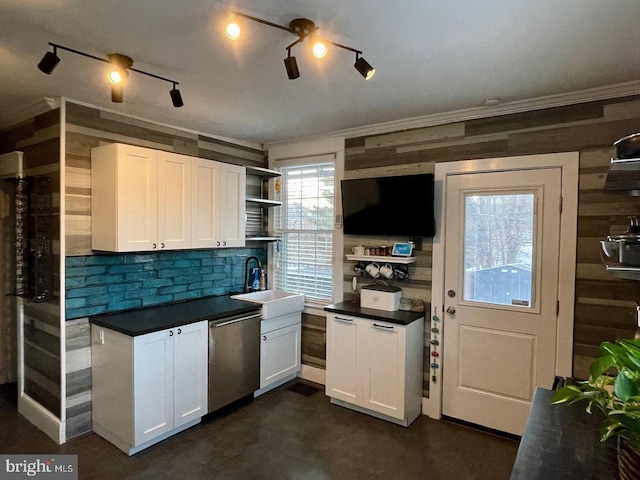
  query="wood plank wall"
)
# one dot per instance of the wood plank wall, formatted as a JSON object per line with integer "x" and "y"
{"x": 39, "y": 139}
{"x": 604, "y": 305}
{"x": 85, "y": 129}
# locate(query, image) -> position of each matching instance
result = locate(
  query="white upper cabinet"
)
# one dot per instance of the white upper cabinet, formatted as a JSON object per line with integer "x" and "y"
{"x": 148, "y": 200}
{"x": 218, "y": 198}
{"x": 174, "y": 200}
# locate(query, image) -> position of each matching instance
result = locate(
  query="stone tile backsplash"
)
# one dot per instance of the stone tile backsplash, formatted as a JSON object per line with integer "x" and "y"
{"x": 107, "y": 283}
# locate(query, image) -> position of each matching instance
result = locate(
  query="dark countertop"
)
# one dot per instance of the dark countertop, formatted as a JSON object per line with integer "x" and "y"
{"x": 153, "y": 319}
{"x": 400, "y": 317}
{"x": 563, "y": 442}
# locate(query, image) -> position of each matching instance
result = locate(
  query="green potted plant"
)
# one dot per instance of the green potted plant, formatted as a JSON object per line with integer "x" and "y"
{"x": 614, "y": 389}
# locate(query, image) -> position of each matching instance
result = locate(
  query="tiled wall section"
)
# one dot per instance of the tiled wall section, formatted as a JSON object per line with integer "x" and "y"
{"x": 106, "y": 283}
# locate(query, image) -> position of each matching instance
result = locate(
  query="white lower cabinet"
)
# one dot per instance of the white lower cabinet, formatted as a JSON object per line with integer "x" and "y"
{"x": 148, "y": 387}
{"x": 280, "y": 357}
{"x": 375, "y": 367}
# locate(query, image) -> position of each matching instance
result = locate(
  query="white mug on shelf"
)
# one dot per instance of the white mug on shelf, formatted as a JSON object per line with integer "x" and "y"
{"x": 358, "y": 250}
{"x": 386, "y": 270}
{"x": 373, "y": 269}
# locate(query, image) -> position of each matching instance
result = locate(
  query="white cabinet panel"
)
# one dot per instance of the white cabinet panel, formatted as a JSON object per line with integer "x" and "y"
{"x": 280, "y": 354}
{"x": 342, "y": 376}
{"x": 218, "y": 198}
{"x": 375, "y": 367}
{"x": 153, "y": 380}
{"x": 383, "y": 380}
{"x": 190, "y": 372}
{"x": 150, "y": 386}
{"x": 144, "y": 199}
{"x": 174, "y": 201}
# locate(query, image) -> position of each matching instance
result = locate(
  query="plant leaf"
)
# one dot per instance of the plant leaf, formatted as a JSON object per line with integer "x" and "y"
{"x": 625, "y": 387}
{"x": 565, "y": 394}
{"x": 601, "y": 365}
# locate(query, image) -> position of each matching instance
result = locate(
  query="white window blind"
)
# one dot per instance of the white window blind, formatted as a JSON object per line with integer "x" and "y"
{"x": 304, "y": 263}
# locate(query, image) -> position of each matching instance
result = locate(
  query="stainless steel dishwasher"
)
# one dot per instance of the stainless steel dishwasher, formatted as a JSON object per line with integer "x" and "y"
{"x": 234, "y": 358}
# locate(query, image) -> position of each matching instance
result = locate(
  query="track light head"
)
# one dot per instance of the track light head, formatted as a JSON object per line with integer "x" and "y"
{"x": 291, "y": 65}
{"x": 117, "y": 93}
{"x": 365, "y": 69}
{"x": 119, "y": 72}
{"x": 176, "y": 97}
{"x": 49, "y": 62}
{"x": 319, "y": 48}
{"x": 232, "y": 30}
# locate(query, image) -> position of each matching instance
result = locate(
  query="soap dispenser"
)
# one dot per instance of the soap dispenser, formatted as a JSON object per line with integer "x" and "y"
{"x": 255, "y": 279}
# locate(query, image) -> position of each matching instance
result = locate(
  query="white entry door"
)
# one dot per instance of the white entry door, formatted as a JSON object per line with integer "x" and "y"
{"x": 502, "y": 238}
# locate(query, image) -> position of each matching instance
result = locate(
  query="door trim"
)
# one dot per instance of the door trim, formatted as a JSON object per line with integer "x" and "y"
{"x": 569, "y": 164}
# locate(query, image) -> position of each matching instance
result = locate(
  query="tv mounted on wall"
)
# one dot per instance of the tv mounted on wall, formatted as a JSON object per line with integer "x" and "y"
{"x": 389, "y": 206}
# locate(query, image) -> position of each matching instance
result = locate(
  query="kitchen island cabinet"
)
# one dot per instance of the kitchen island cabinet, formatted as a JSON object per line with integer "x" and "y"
{"x": 375, "y": 365}
{"x": 148, "y": 387}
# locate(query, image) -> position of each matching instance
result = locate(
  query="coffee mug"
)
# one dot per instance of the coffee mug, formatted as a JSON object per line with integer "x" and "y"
{"x": 373, "y": 269}
{"x": 358, "y": 250}
{"x": 386, "y": 270}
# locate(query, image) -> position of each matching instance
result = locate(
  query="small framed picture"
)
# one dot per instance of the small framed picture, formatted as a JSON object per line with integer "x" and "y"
{"x": 402, "y": 249}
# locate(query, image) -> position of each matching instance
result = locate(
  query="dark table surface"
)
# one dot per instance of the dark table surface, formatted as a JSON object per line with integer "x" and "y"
{"x": 153, "y": 319}
{"x": 563, "y": 442}
{"x": 400, "y": 317}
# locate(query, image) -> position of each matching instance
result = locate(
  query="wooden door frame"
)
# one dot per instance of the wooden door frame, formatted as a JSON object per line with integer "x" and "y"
{"x": 569, "y": 164}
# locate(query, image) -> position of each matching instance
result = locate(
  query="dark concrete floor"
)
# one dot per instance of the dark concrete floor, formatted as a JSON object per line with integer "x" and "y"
{"x": 282, "y": 435}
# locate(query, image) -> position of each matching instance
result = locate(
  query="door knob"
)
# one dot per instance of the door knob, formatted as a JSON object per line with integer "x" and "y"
{"x": 451, "y": 310}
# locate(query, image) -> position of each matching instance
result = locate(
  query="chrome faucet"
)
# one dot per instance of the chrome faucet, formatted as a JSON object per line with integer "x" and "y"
{"x": 246, "y": 272}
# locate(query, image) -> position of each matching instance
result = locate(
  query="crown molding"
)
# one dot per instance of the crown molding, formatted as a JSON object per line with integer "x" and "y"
{"x": 520, "y": 106}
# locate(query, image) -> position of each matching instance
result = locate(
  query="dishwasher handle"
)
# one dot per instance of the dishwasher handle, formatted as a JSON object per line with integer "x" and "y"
{"x": 223, "y": 322}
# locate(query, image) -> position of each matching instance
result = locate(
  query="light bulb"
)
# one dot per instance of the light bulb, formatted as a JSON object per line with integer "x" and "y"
{"x": 232, "y": 30}
{"x": 115, "y": 77}
{"x": 319, "y": 49}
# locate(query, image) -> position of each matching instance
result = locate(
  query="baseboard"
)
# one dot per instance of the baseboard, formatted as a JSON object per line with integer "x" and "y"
{"x": 42, "y": 418}
{"x": 313, "y": 374}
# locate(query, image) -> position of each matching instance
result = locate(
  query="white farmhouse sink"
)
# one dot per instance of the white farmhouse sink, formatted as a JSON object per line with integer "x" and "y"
{"x": 274, "y": 302}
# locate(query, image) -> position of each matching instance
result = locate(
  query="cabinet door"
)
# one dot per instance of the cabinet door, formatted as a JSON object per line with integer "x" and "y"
{"x": 279, "y": 354}
{"x": 231, "y": 201}
{"x": 174, "y": 201}
{"x": 137, "y": 194}
{"x": 382, "y": 358}
{"x": 190, "y": 372}
{"x": 153, "y": 385}
{"x": 342, "y": 366}
{"x": 204, "y": 212}
{"x": 124, "y": 184}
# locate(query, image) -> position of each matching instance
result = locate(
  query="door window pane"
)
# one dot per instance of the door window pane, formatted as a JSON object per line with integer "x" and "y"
{"x": 498, "y": 248}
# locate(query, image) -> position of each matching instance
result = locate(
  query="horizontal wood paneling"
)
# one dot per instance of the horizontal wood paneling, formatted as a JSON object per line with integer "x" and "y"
{"x": 589, "y": 128}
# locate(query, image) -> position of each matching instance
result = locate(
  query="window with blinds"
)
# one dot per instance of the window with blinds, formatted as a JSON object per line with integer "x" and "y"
{"x": 305, "y": 224}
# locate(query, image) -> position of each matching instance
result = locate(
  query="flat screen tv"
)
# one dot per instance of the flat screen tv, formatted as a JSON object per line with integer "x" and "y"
{"x": 389, "y": 206}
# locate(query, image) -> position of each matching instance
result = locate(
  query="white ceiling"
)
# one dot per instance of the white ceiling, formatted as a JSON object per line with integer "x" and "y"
{"x": 430, "y": 57}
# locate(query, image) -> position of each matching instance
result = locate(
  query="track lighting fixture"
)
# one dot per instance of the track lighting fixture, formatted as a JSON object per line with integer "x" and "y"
{"x": 291, "y": 65}
{"x": 117, "y": 75}
{"x": 49, "y": 62}
{"x": 303, "y": 28}
{"x": 363, "y": 67}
